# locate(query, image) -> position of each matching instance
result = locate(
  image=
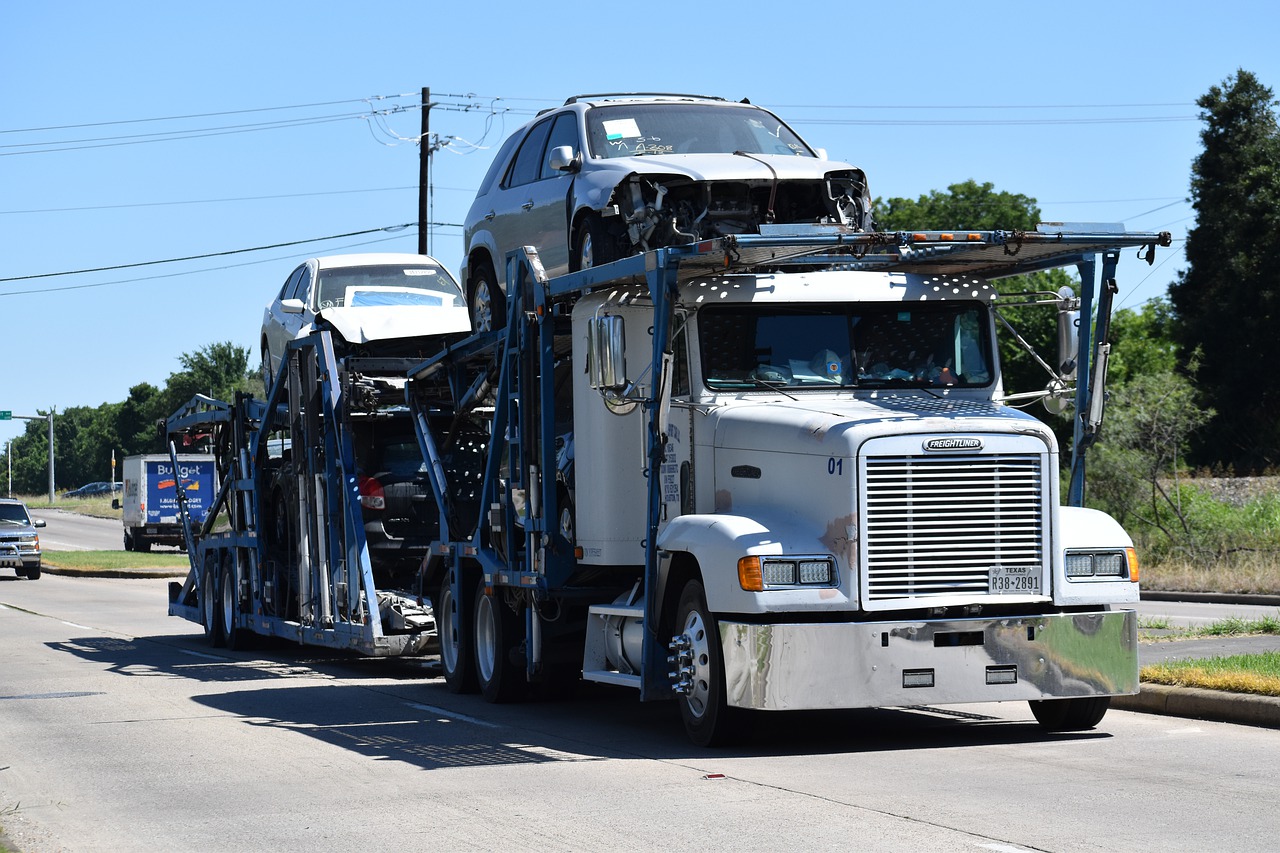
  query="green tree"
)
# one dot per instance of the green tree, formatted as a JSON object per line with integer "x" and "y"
{"x": 1227, "y": 300}
{"x": 978, "y": 206}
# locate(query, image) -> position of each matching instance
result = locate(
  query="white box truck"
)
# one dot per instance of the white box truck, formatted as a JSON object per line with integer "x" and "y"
{"x": 150, "y": 501}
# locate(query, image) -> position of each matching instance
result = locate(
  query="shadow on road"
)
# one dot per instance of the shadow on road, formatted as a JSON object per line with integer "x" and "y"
{"x": 389, "y": 709}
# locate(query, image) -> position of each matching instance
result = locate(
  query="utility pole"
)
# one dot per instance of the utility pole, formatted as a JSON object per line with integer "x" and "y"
{"x": 424, "y": 176}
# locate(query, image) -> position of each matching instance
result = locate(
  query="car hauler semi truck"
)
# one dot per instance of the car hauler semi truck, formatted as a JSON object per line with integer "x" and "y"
{"x": 780, "y": 472}
{"x": 755, "y": 474}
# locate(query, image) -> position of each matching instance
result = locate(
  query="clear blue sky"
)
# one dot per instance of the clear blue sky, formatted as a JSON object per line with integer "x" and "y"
{"x": 1087, "y": 106}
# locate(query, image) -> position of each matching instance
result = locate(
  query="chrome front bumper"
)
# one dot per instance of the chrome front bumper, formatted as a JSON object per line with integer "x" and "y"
{"x": 876, "y": 664}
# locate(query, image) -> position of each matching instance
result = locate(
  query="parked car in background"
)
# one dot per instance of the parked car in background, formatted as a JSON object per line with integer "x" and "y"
{"x": 89, "y": 490}
{"x": 390, "y": 301}
{"x": 606, "y": 176}
{"x": 19, "y": 541}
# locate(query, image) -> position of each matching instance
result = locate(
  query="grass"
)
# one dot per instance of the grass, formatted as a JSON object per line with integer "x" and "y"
{"x": 1252, "y": 673}
{"x": 1254, "y": 574}
{"x": 114, "y": 560}
{"x": 1230, "y": 627}
{"x": 98, "y": 507}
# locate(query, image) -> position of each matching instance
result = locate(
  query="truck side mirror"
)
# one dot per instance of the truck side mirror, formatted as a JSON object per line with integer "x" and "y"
{"x": 1068, "y": 333}
{"x": 607, "y": 353}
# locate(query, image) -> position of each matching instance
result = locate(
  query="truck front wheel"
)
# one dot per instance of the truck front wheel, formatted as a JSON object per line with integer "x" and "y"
{"x": 1070, "y": 715}
{"x": 456, "y": 658}
{"x": 708, "y": 719}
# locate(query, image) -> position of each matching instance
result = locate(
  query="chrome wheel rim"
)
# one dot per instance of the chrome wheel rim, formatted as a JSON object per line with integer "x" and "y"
{"x": 486, "y": 638}
{"x": 699, "y": 696}
{"x": 448, "y": 629}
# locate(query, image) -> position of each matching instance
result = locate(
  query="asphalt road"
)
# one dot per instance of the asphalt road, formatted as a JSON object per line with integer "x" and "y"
{"x": 120, "y": 729}
{"x": 69, "y": 531}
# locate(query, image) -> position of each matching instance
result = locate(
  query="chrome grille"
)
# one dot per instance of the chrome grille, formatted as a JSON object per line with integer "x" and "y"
{"x": 935, "y": 525}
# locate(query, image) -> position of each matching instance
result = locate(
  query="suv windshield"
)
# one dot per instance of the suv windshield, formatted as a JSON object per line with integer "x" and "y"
{"x": 867, "y": 346}
{"x": 627, "y": 130}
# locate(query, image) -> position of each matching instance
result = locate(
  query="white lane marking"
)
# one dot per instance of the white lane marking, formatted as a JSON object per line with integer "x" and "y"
{"x": 450, "y": 715}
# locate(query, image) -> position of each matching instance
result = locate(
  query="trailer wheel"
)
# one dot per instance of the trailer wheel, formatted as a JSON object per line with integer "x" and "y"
{"x": 1070, "y": 715}
{"x": 497, "y": 638}
{"x": 233, "y": 636}
{"x": 454, "y": 629}
{"x": 708, "y": 719}
{"x": 209, "y": 599}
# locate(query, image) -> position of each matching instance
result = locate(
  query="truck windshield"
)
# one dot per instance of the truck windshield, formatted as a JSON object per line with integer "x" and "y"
{"x": 628, "y": 130}
{"x": 932, "y": 345}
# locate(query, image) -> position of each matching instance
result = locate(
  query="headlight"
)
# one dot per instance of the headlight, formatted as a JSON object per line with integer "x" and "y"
{"x": 756, "y": 574}
{"x": 1102, "y": 565}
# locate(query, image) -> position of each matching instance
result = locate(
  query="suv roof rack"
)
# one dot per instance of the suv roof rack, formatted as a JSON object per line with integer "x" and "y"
{"x": 604, "y": 96}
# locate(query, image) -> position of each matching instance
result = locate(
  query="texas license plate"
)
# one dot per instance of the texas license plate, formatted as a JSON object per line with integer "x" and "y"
{"x": 1015, "y": 580}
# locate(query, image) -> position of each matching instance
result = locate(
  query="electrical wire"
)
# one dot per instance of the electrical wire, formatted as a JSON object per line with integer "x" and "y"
{"x": 209, "y": 254}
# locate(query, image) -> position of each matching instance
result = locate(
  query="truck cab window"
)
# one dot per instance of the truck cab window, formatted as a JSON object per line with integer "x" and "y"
{"x": 924, "y": 345}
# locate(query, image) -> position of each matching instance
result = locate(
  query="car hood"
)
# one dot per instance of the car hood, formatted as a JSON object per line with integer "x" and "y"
{"x": 384, "y": 322}
{"x": 729, "y": 167}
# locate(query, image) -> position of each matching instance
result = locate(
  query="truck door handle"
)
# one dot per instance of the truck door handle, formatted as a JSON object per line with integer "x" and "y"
{"x": 528, "y": 205}
{"x": 488, "y": 217}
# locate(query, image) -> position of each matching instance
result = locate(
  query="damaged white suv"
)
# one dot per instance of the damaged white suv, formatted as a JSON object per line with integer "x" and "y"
{"x": 606, "y": 176}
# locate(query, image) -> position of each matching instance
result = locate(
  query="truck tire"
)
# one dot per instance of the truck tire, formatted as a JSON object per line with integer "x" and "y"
{"x": 1070, "y": 715}
{"x": 128, "y": 541}
{"x": 485, "y": 300}
{"x": 141, "y": 544}
{"x": 33, "y": 572}
{"x": 708, "y": 719}
{"x": 233, "y": 636}
{"x": 209, "y": 599}
{"x": 453, "y": 625}
{"x": 497, "y": 640}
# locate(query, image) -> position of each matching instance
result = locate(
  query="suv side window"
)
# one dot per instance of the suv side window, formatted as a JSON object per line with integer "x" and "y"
{"x": 563, "y": 132}
{"x": 528, "y": 163}
{"x": 304, "y": 286}
{"x": 290, "y": 289}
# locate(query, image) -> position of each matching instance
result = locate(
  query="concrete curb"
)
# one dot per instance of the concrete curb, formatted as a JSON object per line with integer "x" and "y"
{"x": 1220, "y": 706}
{"x": 1211, "y": 597}
{"x": 113, "y": 573}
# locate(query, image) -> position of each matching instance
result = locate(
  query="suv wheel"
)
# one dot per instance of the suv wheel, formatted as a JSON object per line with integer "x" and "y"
{"x": 485, "y": 299}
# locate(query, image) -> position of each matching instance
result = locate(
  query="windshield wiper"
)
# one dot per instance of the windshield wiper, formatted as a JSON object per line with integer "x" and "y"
{"x": 772, "y": 386}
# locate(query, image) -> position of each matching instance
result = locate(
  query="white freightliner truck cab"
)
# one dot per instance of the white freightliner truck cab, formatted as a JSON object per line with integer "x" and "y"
{"x": 866, "y": 525}
{"x": 782, "y": 490}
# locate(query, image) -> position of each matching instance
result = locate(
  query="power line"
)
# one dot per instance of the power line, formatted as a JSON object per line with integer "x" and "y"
{"x": 221, "y": 200}
{"x": 196, "y": 115}
{"x": 209, "y": 254}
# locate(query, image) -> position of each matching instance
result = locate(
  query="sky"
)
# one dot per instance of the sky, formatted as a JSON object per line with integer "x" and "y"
{"x": 136, "y": 133}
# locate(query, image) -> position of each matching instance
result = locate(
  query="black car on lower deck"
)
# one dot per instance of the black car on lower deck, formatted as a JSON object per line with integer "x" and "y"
{"x": 399, "y": 510}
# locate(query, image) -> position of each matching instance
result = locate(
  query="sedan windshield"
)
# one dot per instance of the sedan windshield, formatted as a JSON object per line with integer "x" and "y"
{"x": 920, "y": 345}
{"x": 387, "y": 284}
{"x": 628, "y": 130}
